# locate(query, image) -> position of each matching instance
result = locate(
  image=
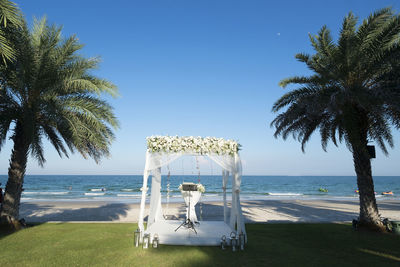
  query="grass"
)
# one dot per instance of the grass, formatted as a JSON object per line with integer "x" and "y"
{"x": 110, "y": 244}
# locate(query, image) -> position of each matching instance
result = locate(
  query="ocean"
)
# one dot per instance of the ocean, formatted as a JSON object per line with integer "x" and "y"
{"x": 126, "y": 188}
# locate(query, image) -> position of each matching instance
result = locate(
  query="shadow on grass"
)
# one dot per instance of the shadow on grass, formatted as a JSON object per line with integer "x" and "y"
{"x": 6, "y": 230}
{"x": 37, "y": 214}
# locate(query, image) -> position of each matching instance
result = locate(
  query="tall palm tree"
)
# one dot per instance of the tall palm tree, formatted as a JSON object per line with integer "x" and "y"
{"x": 353, "y": 96}
{"x": 49, "y": 92}
{"x": 9, "y": 15}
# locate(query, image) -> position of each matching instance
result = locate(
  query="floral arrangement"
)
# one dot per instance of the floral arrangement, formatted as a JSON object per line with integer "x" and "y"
{"x": 192, "y": 144}
{"x": 200, "y": 188}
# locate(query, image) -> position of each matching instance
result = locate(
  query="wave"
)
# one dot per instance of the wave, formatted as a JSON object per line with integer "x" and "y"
{"x": 128, "y": 190}
{"x": 285, "y": 194}
{"x": 170, "y": 191}
{"x": 45, "y": 193}
{"x": 95, "y": 194}
{"x": 129, "y": 195}
{"x": 211, "y": 195}
{"x": 217, "y": 192}
{"x": 175, "y": 196}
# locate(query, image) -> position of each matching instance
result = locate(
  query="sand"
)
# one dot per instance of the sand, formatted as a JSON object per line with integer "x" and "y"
{"x": 257, "y": 211}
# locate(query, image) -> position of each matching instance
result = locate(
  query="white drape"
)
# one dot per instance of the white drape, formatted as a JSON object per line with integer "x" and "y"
{"x": 230, "y": 164}
{"x": 155, "y": 197}
{"x": 225, "y": 177}
{"x": 157, "y": 160}
{"x": 194, "y": 198}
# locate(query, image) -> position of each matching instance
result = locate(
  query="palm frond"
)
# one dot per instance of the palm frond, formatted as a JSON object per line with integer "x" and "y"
{"x": 56, "y": 95}
{"x": 6, "y": 50}
{"x": 353, "y": 93}
{"x": 294, "y": 95}
{"x": 10, "y": 13}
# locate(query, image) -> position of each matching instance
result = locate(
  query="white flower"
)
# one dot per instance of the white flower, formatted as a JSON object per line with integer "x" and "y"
{"x": 201, "y": 188}
{"x": 192, "y": 144}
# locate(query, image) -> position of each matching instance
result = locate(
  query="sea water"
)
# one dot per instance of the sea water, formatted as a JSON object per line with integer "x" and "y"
{"x": 126, "y": 188}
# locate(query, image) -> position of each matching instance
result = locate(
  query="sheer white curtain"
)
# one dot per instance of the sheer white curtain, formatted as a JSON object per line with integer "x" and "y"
{"x": 155, "y": 197}
{"x": 154, "y": 162}
{"x": 233, "y": 164}
{"x": 157, "y": 160}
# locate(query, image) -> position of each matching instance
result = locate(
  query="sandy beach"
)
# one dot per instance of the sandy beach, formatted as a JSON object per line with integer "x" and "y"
{"x": 257, "y": 211}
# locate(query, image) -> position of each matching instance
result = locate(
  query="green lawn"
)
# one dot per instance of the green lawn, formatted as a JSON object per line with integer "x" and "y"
{"x": 69, "y": 244}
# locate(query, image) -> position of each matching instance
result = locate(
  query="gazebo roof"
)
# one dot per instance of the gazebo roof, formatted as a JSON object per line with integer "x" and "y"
{"x": 190, "y": 144}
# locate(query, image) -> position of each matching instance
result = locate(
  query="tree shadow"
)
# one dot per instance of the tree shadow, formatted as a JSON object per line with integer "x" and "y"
{"x": 179, "y": 214}
{"x": 279, "y": 210}
{"x": 6, "y": 230}
{"x": 34, "y": 213}
{"x": 205, "y": 211}
{"x": 382, "y": 203}
{"x": 254, "y": 211}
{"x": 210, "y": 212}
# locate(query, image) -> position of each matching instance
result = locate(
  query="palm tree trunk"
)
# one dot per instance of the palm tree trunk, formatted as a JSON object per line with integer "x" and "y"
{"x": 369, "y": 214}
{"x": 10, "y": 208}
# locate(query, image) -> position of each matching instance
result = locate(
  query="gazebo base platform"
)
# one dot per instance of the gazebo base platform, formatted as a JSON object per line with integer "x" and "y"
{"x": 209, "y": 233}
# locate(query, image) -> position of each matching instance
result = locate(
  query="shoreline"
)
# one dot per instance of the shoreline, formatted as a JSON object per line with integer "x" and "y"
{"x": 254, "y": 211}
{"x": 177, "y": 198}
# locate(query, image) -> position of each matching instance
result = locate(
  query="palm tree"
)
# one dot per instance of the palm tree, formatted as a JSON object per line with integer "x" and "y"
{"x": 9, "y": 15}
{"x": 49, "y": 92}
{"x": 353, "y": 96}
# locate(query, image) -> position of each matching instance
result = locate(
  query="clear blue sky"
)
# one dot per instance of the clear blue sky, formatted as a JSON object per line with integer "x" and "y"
{"x": 202, "y": 68}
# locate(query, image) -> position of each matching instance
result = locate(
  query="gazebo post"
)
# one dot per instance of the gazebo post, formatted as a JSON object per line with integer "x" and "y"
{"x": 143, "y": 201}
{"x": 225, "y": 176}
{"x": 237, "y": 203}
{"x": 233, "y": 204}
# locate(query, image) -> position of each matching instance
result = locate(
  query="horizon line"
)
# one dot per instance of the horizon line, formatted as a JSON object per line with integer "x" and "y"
{"x": 195, "y": 175}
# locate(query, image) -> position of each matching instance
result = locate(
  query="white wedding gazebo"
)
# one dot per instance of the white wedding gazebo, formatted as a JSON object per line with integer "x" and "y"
{"x": 162, "y": 150}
